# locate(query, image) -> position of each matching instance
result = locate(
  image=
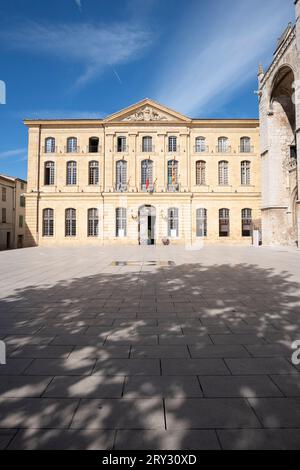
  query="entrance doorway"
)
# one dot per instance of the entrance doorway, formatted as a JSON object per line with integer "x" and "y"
{"x": 147, "y": 222}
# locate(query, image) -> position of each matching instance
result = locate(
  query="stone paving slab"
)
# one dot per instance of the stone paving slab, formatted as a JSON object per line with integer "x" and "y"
{"x": 61, "y": 367}
{"x": 263, "y": 366}
{"x": 166, "y": 440}
{"x": 127, "y": 367}
{"x": 194, "y": 367}
{"x": 120, "y": 414}
{"x": 19, "y": 386}
{"x": 243, "y": 386}
{"x": 218, "y": 351}
{"x": 288, "y": 384}
{"x": 42, "y": 352}
{"x": 163, "y": 386}
{"x": 57, "y": 439}
{"x": 159, "y": 352}
{"x": 202, "y": 413}
{"x": 6, "y": 437}
{"x": 85, "y": 387}
{"x": 277, "y": 412}
{"x": 260, "y": 439}
{"x": 36, "y": 413}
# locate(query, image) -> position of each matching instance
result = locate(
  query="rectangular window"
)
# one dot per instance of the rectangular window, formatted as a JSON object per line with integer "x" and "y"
{"x": 22, "y": 201}
{"x": 4, "y": 194}
{"x": 21, "y": 221}
{"x": 173, "y": 223}
{"x": 48, "y": 223}
{"x": 201, "y": 223}
{"x": 121, "y": 222}
{"x": 224, "y": 228}
{"x": 3, "y": 215}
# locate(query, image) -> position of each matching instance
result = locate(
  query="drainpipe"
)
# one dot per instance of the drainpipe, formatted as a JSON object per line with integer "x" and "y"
{"x": 38, "y": 188}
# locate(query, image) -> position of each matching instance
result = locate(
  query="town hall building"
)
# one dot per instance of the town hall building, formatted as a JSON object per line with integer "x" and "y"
{"x": 145, "y": 175}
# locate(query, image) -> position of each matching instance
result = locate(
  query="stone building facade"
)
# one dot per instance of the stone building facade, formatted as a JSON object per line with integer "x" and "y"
{"x": 144, "y": 175}
{"x": 279, "y": 106}
{"x": 12, "y": 212}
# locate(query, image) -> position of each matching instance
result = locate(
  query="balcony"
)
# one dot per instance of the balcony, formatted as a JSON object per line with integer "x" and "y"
{"x": 72, "y": 149}
{"x": 121, "y": 149}
{"x": 173, "y": 188}
{"x": 246, "y": 149}
{"x": 148, "y": 149}
{"x": 93, "y": 149}
{"x": 173, "y": 149}
{"x": 121, "y": 188}
{"x": 201, "y": 149}
{"x": 50, "y": 150}
{"x": 220, "y": 149}
{"x": 150, "y": 189}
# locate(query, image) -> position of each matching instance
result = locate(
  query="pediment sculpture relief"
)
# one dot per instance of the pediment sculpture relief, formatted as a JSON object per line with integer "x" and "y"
{"x": 147, "y": 114}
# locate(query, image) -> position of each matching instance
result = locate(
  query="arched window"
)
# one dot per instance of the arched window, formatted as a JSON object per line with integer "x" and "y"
{"x": 172, "y": 144}
{"x": 173, "y": 175}
{"x": 224, "y": 223}
{"x": 245, "y": 145}
{"x": 147, "y": 144}
{"x": 72, "y": 145}
{"x": 200, "y": 173}
{"x": 121, "y": 144}
{"x": 200, "y": 144}
{"x": 121, "y": 175}
{"x": 93, "y": 222}
{"x": 223, "y": 145}
{"x": 48, "y": 223}
{"x": 246, "y": 222}
{"x": 201, "y": 223}
{"x": 173, "y": 222}
{"x": 223, "y": 173}
{"x": 245, "y": 173}
{"x": 49, "y": 173}
{"x": 121, "y": 222}
{"x": 70, "y": 223}
{"x": 93, "y": 145}
{"x": 93, "y": 173}
{"x": 50, "y": 145}
{"x": 147, "y": 175}
{"x": 71, "y": 173}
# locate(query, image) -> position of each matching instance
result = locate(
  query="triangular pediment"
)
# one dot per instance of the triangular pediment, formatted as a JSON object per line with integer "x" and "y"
{"x": 147, "y": 111}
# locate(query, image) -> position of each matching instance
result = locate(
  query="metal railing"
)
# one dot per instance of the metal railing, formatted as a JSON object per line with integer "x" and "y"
{"x": 49, "y": 150}
{"x": 147, "y": 148}
{"x": 173, "y": 188}
{"x": 150, "y": 189}
{"x": 93, "y": 149}
{"x": 122, "y": 149}
{"x": 246, "y": 149}
{"x": 121, "y": 188}
{"x": 72, "y": 149}
{"x": 221, "y": 149}
{"x": 171, "y": 149}
{"x": 201, "y": 149}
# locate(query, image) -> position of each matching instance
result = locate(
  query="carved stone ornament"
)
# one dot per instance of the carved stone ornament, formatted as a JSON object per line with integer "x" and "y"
{"x": 146, "y": 114}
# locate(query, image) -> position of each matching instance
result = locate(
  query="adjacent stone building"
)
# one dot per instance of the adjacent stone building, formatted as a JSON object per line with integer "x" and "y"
{"x": 144, "y": 175}
{"x": 12, "y": 212}
{"x": 279, "y": 106}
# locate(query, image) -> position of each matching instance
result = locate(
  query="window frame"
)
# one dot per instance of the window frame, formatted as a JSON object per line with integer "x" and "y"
{"x": 246, "y": 218}
{"x": 200, "y": 173}
{"x": 49, "y": 173}
{"x": 173, "y": 222}
{"x": 121, "y": 222}
{"x": 224, "y": 220}
{"x": 71, "y": 179}
{"x": 48, "y": 222}
{"x": 223, "y": 173}
{"x": 93, "y": 222}
{"x": 201, "y": 222}
{"x": 70, "y": 223}
{"x": 94, "y": 173}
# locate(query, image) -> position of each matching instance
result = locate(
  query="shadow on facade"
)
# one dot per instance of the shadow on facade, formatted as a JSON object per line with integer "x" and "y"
{"x": 96, "y": 323}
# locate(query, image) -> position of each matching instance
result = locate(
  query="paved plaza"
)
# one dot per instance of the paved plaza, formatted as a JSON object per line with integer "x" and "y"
{"x": 174, "y": 349}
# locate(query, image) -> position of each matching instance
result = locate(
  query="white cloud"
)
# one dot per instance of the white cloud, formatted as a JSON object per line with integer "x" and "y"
{"x": 94, "y": 47}
{"x": 78, "y": 3}
{"x": 215, "y": 55}
{"x": 8, "y": 154}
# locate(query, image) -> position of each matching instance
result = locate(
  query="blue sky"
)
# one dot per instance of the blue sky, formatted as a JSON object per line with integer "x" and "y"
{"x": 90, "y": 58}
